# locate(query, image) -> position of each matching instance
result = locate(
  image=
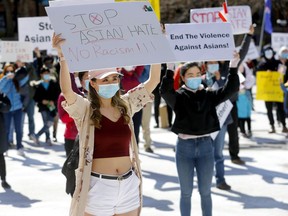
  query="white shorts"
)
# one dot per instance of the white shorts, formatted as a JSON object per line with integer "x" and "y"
{"x": 107, "y": 197}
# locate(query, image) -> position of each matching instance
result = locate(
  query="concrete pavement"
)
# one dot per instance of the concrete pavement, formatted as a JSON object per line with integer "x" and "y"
{"x": 258, "y": 188}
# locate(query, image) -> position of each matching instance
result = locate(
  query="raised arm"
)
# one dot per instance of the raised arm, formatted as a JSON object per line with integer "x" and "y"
{"x": 65, "y": 82}
{"x": 154, "y": 78}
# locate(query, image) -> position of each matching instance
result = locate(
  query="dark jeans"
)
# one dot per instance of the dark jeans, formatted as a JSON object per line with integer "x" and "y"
{"x": 233, "y": 134}
{"x": 17, "y": 119}
{"x": 47, "y": 123}
{"x": 137, "y": 119}
{"x": 68, "y": 145}
{"x": 30, "y": 113}
{"x": 2, "y": 167}
{"x": 241, "y": 122}
{"x": 280, "y": 112}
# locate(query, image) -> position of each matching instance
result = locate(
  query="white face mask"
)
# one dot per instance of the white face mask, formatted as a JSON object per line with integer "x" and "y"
{"x": 129, "y": 68}
{"x": 78, "y": 83}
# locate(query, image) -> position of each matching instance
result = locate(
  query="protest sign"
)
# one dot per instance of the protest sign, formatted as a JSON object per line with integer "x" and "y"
{"x": 201, "y": 42}
{"x": 11, "y": 51}
{"x": 110, "y": 35}
{"x": 252, "y": 52}
{"x": 77, "y": 2}
{"x": 278, "y": 40}
{"x": 37, "y": 30}
{"x": 268, "y": 86}
{"x": 240, "y": 17}
{"x": 223, "y": 111}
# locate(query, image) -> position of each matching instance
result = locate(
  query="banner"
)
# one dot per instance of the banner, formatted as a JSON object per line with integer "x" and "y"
{"x": 268, "y": 86}
{"x": 223, "y": 111}
{"x": 38, "y": 31}
{"x": 252, "y": 52}
{"x": 201, "y": 42}
{"x": 11, "y": 51}
{"x": 240, "y": 17}
{"x": 110, "y": 35}
{"x": 278, "y": 40}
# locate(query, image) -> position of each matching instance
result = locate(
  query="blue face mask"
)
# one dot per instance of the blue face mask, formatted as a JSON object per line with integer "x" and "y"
{"x": 46, "y": 77}
{"x": 87, "y": 82}
{"x": 193, "y": 83}
{"x": 212, "y": 68}
{"x": 108, "y": 91}
{"x": 284, "y": 55}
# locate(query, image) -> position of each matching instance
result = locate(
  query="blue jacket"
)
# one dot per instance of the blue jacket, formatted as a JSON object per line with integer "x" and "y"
{"x": 284, "y": 89}
{"x": 8, "y": 88}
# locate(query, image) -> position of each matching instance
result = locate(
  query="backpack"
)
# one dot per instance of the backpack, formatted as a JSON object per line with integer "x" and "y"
{"x": 69, "y": 167}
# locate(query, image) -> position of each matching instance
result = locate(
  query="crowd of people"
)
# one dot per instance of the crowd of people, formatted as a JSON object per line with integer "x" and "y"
{"x": 93, "y": 103}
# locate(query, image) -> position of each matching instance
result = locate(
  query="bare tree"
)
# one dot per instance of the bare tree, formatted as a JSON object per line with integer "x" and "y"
{"x": 9, "y": 18}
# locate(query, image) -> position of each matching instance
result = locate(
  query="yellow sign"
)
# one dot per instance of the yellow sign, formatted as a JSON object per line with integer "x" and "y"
{"x": 268, "y": 86}
{"x": 154, "y": 3}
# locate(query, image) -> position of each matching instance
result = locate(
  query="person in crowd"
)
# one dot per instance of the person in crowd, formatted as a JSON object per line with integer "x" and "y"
{"x": 157, "y": 100}
{"x": 195, "y": 119}
{"x": 5, "y": 106}
{"x": 105, "y": 126}
{"x": 146, "y": 114}
{"x": 232, "y": 128}
{"x": 270, "y": 64}
{"x": 10, "y": 87}
{"x": 177, "y": 78}
{"x": 71, "y": 131}
{"x": 46, "y": 95}
{"x": 214, "y": 81}
{"x": 129, "y": 80}
{"x": 244, "y": 108}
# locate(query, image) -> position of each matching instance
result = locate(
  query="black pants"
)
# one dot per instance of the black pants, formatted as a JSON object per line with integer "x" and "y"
{"x": 280, "y": 112}
{"x": 233, "y": 134}
{"x": 241, "y": 123}
{"x": 2, "y": 167}
{"x": 157, "y": 101}
{"x": 68, "y": 145}
{"x": 137, "y": 119}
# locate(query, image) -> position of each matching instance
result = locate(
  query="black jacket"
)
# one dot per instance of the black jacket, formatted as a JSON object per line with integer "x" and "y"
{"x": 196, "y": 111}
{"x": 5, "y": 106}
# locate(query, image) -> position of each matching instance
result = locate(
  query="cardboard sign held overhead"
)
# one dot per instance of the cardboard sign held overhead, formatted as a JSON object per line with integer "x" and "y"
{"x": 201, "y": 42}
{"x": 278, "y": 40}
{"x": 239, "y": 16}
{"x": 11, "y": 51}
{"x": 110, "y": 35}
{"x": 38, "y": 31}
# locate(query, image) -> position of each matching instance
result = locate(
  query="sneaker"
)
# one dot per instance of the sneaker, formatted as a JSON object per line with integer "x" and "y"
{"x": 149, "y": 150}
{"x": 48, "y": 142}
{"x": 285, "y": 130}
{"x": 238, "y": 161}
{"x": 34, "y": 139}
{"x": 55, "y": 139}
{"x": 5, "y": 185}
{"x": 156, "y": 126}
{"x": 224, "y": 186}
{"x": 20, "y": 152}
{"x": 272, "y": 130}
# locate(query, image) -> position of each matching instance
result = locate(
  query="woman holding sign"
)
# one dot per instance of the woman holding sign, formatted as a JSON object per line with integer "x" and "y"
{"x": 196, "y": 118}
{"x": 108, "y": 179}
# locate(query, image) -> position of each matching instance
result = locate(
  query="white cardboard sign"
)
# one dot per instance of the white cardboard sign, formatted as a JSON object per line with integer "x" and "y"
{"x": 110, "y": 35}
{"x": 76, "y": 2}
{"x": 253, "y": 52}
{"x": 278, "y": 40}
{"x": 37, "y": 30}
{"x": 223, "y": 111}
{"x": 201, "y": 42}
{"x": 240, "y": 17}
{"x": 11, "y": 51}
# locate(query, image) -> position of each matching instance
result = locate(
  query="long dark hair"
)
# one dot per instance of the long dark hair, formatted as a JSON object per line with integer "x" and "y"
{"x": 15, "y": 81}
{"x": 96, "y": 116}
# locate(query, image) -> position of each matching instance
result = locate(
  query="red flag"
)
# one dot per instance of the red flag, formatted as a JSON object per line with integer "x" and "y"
{"x": 223, "y": 14}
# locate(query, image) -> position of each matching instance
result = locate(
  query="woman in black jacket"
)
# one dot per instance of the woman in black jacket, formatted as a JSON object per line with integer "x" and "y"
{"x": 5, "y": 106}
{"x": 196, "y": 118}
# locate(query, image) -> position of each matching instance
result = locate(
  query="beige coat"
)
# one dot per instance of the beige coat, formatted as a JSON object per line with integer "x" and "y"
{"x": 80, "y": 111}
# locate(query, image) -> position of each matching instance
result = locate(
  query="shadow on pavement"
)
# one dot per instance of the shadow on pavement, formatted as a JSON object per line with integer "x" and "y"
{"x": 15, "y": 199}
{"x": 161, "y": 205}
{"x": 254, "y": 202}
